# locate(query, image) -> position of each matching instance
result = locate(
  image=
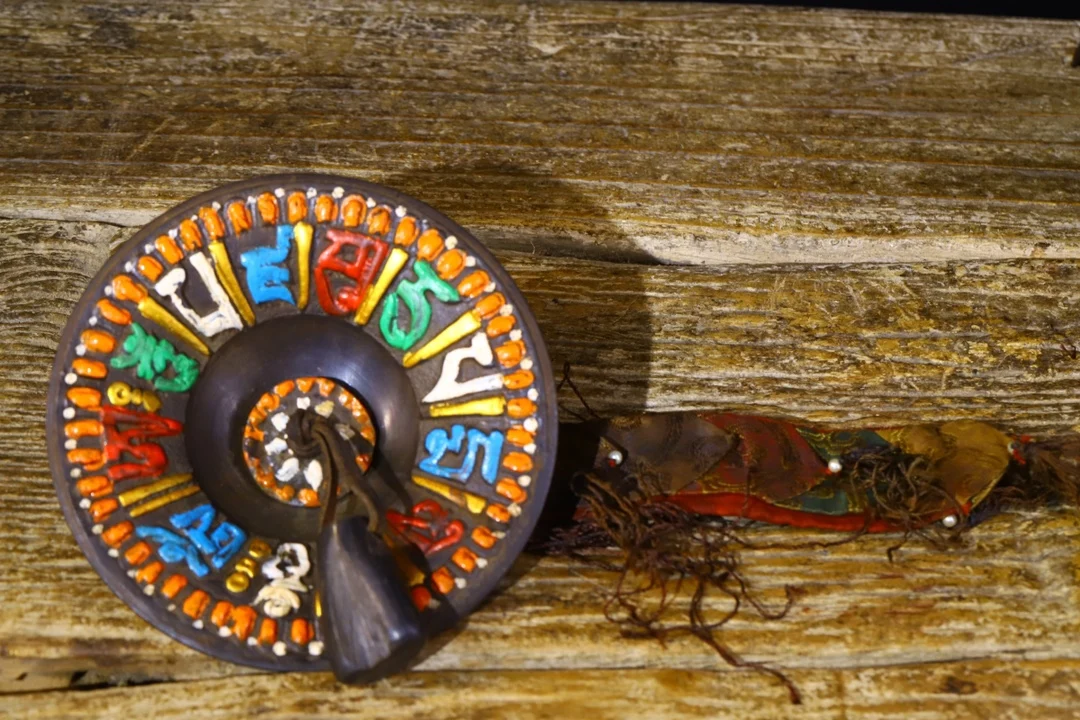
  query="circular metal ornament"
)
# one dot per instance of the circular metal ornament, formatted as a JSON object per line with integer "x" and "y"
{"x": 180, "y": 368}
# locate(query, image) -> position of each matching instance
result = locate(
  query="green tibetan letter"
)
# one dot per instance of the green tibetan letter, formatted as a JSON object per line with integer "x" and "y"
{"x": 411, "y": 292}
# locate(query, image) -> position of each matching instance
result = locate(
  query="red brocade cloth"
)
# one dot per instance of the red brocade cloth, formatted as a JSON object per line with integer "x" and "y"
{"x": 786, "y": 474}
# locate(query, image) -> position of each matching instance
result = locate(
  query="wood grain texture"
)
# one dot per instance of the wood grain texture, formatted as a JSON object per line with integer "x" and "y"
{"x": 949, "y": 691}
{"x": 677, "y": 133}
{"x": 838, "y": 343}
{"x": 837, "y": 216}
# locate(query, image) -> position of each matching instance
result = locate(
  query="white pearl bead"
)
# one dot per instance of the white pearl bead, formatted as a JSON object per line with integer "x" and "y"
{"x": 835, "y": 466}
{"x": 615, "y": 457}
{"x": 950, "y": 521}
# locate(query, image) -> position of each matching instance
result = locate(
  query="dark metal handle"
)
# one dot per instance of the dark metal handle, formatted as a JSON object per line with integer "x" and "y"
{"x": 368, "y": 621}
{"x": 371, "y": 627}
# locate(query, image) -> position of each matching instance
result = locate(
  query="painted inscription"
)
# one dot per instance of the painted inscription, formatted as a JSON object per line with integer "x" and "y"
{"x": 438, "y": 443}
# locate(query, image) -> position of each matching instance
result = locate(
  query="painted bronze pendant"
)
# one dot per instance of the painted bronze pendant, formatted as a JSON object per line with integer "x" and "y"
{"x": 302, "y": 422}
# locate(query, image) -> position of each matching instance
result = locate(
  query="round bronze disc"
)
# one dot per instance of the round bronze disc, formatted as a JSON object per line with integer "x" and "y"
{"x": 179, "y": 369}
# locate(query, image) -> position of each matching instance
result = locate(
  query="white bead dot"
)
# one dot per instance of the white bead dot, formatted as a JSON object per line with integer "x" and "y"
{"x": 515, "y": 334}
{"x": 400, "y": 211}
{"x": 312, "y": 192}
{"x": 499, "y": 534}
{"x": 174, "y": 233}
{"x": 251, "y": 199}
{"x": 533, "y": 394}
{"x": 835, "y": 465}
{"x": 279, "y": 192}
{"x": 526, "y": 363}
{"x": 371, "y": 202}
{"x": 172, "y": 606}
{"x": 950, "y": 521}
{"x": 92, "y": 320}
{"x": 451, "y": 242}
{"x": 148, "y": 248}
{"x": 198, "y": 624}
{"x": 315, "y": 648}
{"x": 129, "y": 266}
{"x": 194, "y": 218}
{"x": 481, "y": 562}
{"x": 84, "y": 503}
{"x": 470, "y": 261}
{"x": 69, "y": 413}
{"x": 460, "y": 582}
{"x": 71, "y": 444}
{"x": 514, "y": 509}
{"x": 524, "y": 481}
{"x": 490, "y": 287}
{"x": 98, "y": 529}
{"x": 148, "y": 589}
{"x": 76, "y": 472}
{"x": 70, "y": 378}
{"x": 252, "y": 641}
{"x": 530, "y": 448}
{"x": 132, "y": 573}
{"x": 338, "y": 192}
{"x": 113, "y": 553}
{"x": 615, "y": 458}
{"x": 531, "y": 425}
{"x": 279, "y": 648}
{"x": 80, "y": 350}
{"x": 224, "y": 631}
{"x": 108, "y": 290}
{"x": 216, "y": 205}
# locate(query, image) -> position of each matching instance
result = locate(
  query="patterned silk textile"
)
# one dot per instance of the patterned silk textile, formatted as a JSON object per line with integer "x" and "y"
{"x": 743, "y": 466}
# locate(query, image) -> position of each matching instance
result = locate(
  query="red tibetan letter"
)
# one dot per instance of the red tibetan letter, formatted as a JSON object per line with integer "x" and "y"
{"x": 367, "y": 253}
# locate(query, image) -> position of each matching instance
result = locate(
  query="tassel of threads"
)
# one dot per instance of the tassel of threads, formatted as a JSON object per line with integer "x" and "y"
{"x": 665, "y": 549}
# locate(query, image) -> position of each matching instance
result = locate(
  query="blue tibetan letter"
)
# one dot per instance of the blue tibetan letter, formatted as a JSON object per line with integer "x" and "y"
{"x": 438, "y": 443}
{"x": 266, "y": 278}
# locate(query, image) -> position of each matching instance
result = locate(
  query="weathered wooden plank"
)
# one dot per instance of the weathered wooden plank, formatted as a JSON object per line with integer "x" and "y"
{"x": 850, "y": 343}
{"x": 838, "y": 344}
{"x": 950, "y": 691}
{"x": 1011, "y": 592}
{"x": 672, "y": 133}
{"x": 685, "y": 134}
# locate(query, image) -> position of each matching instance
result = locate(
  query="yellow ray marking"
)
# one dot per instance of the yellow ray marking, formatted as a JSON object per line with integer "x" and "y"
{"x": 473, "y": 503}
{"x": 469, "y": 322}
{"x": 124, "y": 288}
{"x": 495, "y": 405}
{"x": 164, "y": 500}
{"x": 394, "y": 263}
{"x": 152, "y": 311}
{"x": 224, "y": 269}
{"x": 134, "y": 495}
{"x": 302, "y": 233}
